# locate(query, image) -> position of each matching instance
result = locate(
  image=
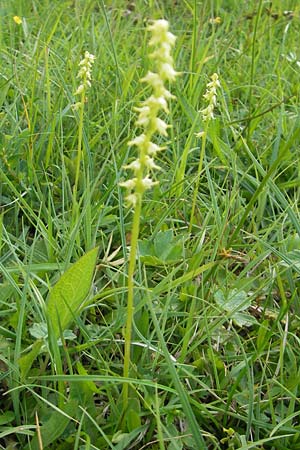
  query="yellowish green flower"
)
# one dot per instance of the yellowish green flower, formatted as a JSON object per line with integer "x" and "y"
{"x": 84, "y": 73}
{"x": 148, "y": 119}
{"x": 211, "y": 97}
{"x": 207, "y": 115}
{"x": 85, "y": 76}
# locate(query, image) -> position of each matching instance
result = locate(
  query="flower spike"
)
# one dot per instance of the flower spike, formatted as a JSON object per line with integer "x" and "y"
{"x": 148, "y": 119}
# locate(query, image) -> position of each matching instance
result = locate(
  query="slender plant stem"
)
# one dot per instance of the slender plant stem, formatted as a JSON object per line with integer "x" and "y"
{"x": 79, "y": 152}
{"x": 253, "y": 67}
{"x": 130, "y": 297}
{"x": 194, "y": 46}
{"x": 200, "y": 165}
{"x": 188, "y": 330}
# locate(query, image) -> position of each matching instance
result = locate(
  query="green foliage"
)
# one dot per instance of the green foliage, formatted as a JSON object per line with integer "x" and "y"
{"x": 165, "y": 249}
{"x": 233, "y": 302}
{"x": 215, "y": 346}
{"x": 67, "y": 296}
{"x": 53, "y": 427}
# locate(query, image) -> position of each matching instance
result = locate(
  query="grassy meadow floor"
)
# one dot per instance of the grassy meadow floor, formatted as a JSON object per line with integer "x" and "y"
{"x": 215, "y": 358}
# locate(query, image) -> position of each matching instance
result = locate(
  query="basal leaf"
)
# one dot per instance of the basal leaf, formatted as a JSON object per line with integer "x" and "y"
{"x": 233, "y": 301}
{"x": 163, "y": 242}
{"x": 26, "y": 361}
{"x": 70, "y": 291}
{"x": 53, "y": 428}
{"x": 165, "y": 249}
{"x": 244, "y": 320}
{"x": 6, "y": 417}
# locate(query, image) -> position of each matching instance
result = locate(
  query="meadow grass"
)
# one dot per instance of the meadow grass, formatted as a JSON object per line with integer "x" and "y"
{"x": 215, "y": 345}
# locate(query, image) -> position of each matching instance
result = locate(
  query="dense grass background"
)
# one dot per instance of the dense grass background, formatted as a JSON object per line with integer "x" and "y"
{"x": 216, "y": 339}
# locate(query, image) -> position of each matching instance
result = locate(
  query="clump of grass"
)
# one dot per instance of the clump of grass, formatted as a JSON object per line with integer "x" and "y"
{"x": 214, "y": 359}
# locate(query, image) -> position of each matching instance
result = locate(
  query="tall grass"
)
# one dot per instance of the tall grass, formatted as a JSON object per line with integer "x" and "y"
{"x": 215, "y": 336}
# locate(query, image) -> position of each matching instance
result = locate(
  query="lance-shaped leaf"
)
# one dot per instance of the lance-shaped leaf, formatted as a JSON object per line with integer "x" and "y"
{"x": 67, "y": 296}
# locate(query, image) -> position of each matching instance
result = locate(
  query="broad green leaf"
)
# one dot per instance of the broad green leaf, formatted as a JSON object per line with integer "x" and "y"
{"x": 68, "y": 336}
{"x": 89, "y": 386}
{"x": 165, "y": 249}
{"x": 6, "y": 291}
{"x": 233, "y": 301}
{"x": 133, "y": 418}
{"x": 244, "y": 319}
{"x": 83, "y": 391}
{"x": 152, "y": 261}
{"x": 39, "y": 330}
{"x": 70, "y": 291}
{"x": 292, "y": 259}
{"x": 26, "y": 361}
{"x": 122, "y": 440}
{"x": 54, "y": 427}
{"x": 6, "y": 417}
{"x": 163, "y": 243}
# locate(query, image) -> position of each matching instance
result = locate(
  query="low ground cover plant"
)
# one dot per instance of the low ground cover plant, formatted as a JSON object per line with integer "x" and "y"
{"x": 149, "y": 225}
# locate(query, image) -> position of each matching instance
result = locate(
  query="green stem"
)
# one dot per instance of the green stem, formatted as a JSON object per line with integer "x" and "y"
{"x": 188, "y": 331}
{"x": 79, "y": 152}
{"x": 200, "y": 165}
{"x": 194, "y": 46}
{"x": 258, "y": 15}
{"x": 130, "y": 297}
{"x": 139, "y": 191}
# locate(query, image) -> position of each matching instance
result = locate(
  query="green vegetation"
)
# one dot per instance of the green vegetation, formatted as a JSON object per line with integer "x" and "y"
{"x": 215, "y": 351}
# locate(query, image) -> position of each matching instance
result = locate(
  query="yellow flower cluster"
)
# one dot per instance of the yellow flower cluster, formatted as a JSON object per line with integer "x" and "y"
{"x": 162, "y": 42}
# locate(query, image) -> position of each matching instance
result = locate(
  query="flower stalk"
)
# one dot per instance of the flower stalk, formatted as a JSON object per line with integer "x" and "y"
{"x": 207, "y": 115}
{"x": 144, "y": 165}
{"x": 85, "y": 77}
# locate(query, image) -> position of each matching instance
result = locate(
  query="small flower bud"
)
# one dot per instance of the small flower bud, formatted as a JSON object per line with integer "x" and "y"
{"x": 167, "y": 71}
{"x": 153, "y": 79}
{"x": 157, "y": 102}
{"x": 134, "y": 165}
{"x": 128, "y": 184}
{"x": 154, "y": 148}
{"x": 160, "y": 33}
{"x": 148, "y": 183}
{"x": 149, "y": 162}
{"x": 76, "y": 106}
{"x": 200, "y": 134}
{"x": 161, "y": 126}
{"x": 17, "y": 20}
{"x": 79, "y": 90}
{"x": 143, "y": 119}
{"x": 138, "y": 141}
{"x": 131, "y": 200}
